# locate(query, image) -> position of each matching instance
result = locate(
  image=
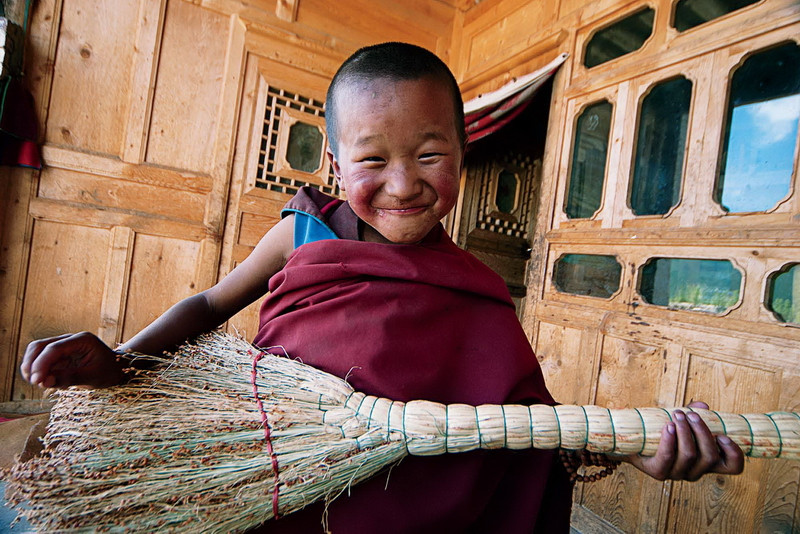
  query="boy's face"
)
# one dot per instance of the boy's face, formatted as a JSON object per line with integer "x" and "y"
{"x": 399, "y": 155}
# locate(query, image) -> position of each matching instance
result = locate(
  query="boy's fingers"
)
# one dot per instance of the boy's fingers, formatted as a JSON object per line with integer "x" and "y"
{"x": 708, "y": 456}
{"x": 664, "y": 459}
{"x": 32, "y": 352}
{"x": 687, "y": 450}
{"x": 731, "y": 457}
{"x": 51, "y": 367}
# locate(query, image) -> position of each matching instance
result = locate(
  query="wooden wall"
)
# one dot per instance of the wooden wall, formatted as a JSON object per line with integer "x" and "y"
{"x": 143, "y": 106}
{"x": 622, "y": 351}
{"x": 152, "y": 114}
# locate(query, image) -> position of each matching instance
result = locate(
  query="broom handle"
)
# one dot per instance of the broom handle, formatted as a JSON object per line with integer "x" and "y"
{"x": 431, "y": 428}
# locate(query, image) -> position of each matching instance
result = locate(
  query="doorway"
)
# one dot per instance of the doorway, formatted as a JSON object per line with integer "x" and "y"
{"x": 501, "y": 194}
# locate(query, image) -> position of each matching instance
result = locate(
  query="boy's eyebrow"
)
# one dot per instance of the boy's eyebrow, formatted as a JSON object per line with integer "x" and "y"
{"x": 436, "y": 135}
{"x": 367, "y": 139}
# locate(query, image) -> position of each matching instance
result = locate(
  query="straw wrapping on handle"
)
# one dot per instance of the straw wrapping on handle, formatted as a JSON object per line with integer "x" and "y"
{"x": 430, "y": 428}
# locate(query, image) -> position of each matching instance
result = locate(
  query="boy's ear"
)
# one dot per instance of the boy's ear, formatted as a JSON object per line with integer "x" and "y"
{"x": 337, "y": 171}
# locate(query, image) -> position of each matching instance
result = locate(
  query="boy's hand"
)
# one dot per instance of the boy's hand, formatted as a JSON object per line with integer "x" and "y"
{"x": 71, "y": 360}
{"x": 688, "y": 450}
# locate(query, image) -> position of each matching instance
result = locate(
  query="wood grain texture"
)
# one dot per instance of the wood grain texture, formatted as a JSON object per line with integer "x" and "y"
{"x": 91, "y": 75}
{"x": 162, "y": 273}
{"x": 184, "y": 122}
{"x": 64, "y": 290}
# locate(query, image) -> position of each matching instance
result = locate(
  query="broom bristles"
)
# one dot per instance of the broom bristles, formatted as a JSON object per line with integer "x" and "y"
{"x": 184, "y": 446}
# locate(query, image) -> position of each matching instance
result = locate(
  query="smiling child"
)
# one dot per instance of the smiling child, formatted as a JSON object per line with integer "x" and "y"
{"x": 374, "y": 290}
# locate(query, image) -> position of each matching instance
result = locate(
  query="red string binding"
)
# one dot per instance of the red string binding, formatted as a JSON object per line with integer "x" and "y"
{"x": 267, "y": 434}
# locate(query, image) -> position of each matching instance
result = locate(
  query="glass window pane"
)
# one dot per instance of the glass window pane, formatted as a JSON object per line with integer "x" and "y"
{"x": 506, "y": 197}
{"x": 588, "y": 161}
{"x": 660, "y": 147}
{"x": 691, "y": 13}
{"x": 783, "y": 294}
{"x": 305, "y": 147}
{"x": 620, "y": 38}
{"x": 759, "y": 142}
{"x": 587, "y": 274}
{"x": 710, "y": 286}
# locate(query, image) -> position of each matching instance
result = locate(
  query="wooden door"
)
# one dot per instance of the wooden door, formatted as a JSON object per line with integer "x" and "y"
{"x": 127, "y": 215}
{"x": 639, "y": 300}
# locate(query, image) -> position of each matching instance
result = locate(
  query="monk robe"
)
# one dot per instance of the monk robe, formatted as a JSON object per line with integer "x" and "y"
{"x": 424, "y": 321}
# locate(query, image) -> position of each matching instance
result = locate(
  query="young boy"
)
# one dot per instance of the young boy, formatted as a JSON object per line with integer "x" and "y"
{"x": 374, "y": 290}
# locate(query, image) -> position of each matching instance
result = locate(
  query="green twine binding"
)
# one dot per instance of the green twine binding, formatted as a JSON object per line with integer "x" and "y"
{"x": 558, "y": 423}
{"x": 359, "y": 406}
{"x": 505, "y": 427}
{"x": 530, "y": 425}
{"x": 752, "y": 438}
{"x": 446, "y": 426}
{"x": 644, "y": 431}
{"x": 358, "y": 445}
{"x": 586, "y": 418}
{"x": 721, "y": 421}
{"x": 389, "y": 421}
{"x": 613, "y": 431}
{"x": 404, "y": 429}
{"x": 478, "y": 428}
{"x": 369, "y": 421}
{"x": 669, "y": 415}
{"x": 778, "y": 431}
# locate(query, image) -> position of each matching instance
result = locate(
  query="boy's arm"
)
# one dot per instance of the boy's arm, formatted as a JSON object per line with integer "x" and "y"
{"x": 82, "y": 359}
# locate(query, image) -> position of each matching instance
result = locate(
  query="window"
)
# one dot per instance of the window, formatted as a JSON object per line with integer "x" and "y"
{"x": 761, "y": 131}
{"x": 507, "y": 188}
{"x": 691, "y": 13}
{"x": 710, "y": 286}
{"x": 587, "y": 274}
{"x": 783, "y": 294}
{"x": 292, "y": 131}
{"x": 620, "y": 38}
{"x": 588, "y": 170}
{"x": 660, "y": 146}
{"x": 305, "y": 148}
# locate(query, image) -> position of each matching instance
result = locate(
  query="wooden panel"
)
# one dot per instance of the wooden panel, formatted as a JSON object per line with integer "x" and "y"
{"x": 718, "y": 503}
{"x": 61, "y": 158}
{"x": 504, "y": 36}
{"x": 186, "y": 103}
{"x": 372, "y": 21}
{"x": 630, "y": 500}
{"x": 781, "y": 492}
{"x": 162, "y": 273}
{"x": 566, "y": 357}
{"x": 15, "y": 232}
{"x": 64, "y": 292}
{"x": 253, "y": 227}
{"x": 92, "y": 74}
{"x": 624, "y": 362}
{"x": 103, "y": 192}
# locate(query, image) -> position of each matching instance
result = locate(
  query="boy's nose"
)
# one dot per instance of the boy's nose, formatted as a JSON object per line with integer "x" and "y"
{"x": 403, "y": 182}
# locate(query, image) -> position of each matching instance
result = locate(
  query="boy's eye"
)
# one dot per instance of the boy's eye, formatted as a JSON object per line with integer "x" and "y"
{"x": 372, "y": 159}
{"x": 429, "y": 155}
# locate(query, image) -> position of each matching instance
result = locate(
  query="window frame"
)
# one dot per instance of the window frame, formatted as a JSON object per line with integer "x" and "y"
{"x": 784, "y": 205}
{"x": 575, "y": 108}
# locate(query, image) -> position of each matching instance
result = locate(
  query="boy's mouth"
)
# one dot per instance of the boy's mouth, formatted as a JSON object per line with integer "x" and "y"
{"x": 411, "y": 210}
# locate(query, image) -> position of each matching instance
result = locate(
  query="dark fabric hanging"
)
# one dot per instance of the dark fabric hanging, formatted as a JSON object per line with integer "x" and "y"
{"x": 485, "y": 114}
{"x": 18, "y": 125}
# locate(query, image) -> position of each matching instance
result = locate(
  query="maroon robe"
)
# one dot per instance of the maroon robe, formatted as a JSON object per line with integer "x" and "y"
{"x": 426, "y": 321}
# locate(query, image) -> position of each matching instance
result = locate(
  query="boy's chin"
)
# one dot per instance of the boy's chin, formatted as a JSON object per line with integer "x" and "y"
{"x": 395, "y": 236}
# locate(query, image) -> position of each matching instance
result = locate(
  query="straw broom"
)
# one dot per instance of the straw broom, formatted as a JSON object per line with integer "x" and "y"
{"x": 222, "y": 437}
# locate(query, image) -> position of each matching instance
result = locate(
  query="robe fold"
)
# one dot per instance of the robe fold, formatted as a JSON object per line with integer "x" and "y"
{"x": 425, "y": 321}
